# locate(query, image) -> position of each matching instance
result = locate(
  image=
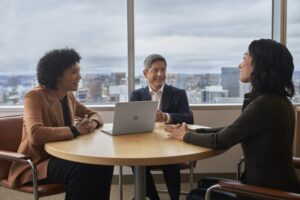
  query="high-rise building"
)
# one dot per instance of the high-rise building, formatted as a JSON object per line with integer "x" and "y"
{"x": 230, "y": 81}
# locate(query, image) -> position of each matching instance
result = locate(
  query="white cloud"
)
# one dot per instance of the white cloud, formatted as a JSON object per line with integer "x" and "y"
{"x": 193, "y": 33}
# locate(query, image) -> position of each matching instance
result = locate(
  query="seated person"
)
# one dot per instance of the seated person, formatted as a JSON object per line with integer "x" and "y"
{"x": 50, "y": 110}
{"x": 173, "y": 108}
{"x": 266, "y": 125}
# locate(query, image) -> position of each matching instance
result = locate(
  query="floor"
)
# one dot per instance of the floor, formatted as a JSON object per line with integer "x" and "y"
{"x": 6, "y": 194}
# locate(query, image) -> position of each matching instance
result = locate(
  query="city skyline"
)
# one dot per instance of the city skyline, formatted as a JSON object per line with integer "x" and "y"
{"x": 95, "y": 89}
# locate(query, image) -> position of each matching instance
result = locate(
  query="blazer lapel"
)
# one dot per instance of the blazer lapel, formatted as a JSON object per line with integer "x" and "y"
{"x": 166, "y": 98}
{"x": 146, "y": 94}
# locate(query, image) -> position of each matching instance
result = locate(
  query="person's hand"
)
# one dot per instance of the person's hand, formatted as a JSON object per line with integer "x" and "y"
{"x": 85, "y": 125}
{"x": 177, "y": 131}
{"x": 161, "y": 117}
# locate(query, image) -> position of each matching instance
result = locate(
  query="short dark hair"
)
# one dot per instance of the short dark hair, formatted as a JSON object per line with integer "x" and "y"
{"x": 52, "y": 65}
{"x": 273, "y": 68}
{"x": 152, "y": 58}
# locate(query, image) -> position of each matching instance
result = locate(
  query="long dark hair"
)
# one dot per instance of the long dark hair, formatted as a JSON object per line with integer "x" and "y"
{"x": 272, "y": 68}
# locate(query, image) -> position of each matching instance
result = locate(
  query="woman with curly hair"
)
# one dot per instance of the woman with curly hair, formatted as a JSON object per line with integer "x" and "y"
{"x": 266, "y": 125}
{"x": 50, "y": 110}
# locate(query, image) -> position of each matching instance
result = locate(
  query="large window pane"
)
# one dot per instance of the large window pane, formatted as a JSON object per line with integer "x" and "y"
{"x": 293, "y": 41}
{"x": 203, "y": 42}
{"x": 96, "y": 29}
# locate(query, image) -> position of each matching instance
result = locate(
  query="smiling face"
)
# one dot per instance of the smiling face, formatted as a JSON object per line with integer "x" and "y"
{"x": 246, "y": 68}
{"x": 156, "y": 74}
{"x": 70, "y": 79}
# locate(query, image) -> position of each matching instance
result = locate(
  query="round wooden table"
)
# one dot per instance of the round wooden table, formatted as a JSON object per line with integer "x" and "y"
{"x": 138, "y": 150}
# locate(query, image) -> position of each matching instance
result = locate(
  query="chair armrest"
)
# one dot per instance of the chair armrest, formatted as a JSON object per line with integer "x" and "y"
{"x": 296, "y": 162}
{"x": 13, "y": 156}
{"x": 255, "y": 191}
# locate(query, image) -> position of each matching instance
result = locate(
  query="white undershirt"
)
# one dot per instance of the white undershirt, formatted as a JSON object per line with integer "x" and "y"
{"x": 156, "y": 96}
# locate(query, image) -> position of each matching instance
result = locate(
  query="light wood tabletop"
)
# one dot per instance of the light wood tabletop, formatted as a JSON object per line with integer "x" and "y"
{"x": 153, "y": 148}
{"x": 138, "y": 150}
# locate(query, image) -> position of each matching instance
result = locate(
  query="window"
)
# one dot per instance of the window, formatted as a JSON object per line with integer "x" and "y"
{"x": 96, "y": 29}
{"x": 293, "y": 42}
{"x": 202, "y": 41}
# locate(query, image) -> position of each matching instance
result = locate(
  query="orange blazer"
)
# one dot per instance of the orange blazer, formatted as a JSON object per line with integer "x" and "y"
{"x": 44, "y": 122}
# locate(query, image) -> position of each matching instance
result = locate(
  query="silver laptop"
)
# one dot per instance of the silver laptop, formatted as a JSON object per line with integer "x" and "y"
{"x": 133, "y": 117}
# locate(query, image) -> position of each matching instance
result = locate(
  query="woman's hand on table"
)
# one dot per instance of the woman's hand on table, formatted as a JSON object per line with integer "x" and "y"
{"x": 85, "y": 125}
{"x": 177, "y": 131}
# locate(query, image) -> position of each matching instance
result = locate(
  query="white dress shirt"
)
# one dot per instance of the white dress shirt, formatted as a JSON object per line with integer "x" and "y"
{"x": 156, "y": 96}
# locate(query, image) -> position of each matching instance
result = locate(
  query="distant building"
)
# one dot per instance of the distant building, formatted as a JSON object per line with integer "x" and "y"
{"x": 230, "y": 81}
{"x": 228, "y": 100}
{"x": 94, "y": 91}
{"x": 119, "y": 78}
{"x": 194, "y": 96}
{"x": 177, "y": 80}
{"x": 211, "y": 93}
{"x": 118, "y": 93}
{"x": 81, "y": 94}
{"x": 208, "y": 80}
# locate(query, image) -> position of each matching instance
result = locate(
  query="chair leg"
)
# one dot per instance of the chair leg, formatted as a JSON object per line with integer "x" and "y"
{"x": 191, "y": 178}
{"x": 191, "y": 175}
{"x": 34, "y": 180}
{"x": 121, "y": 182}
{"x": 210, "y": 190}
{"x": 239, "y": 168}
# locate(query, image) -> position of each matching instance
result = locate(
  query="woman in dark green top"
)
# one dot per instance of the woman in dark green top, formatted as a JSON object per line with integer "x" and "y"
{"x": 266, "y": 125}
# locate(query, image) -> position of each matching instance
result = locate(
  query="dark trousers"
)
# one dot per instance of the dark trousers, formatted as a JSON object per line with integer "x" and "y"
{"x": 83, "y": 181}
{"x": 172, "y": 178}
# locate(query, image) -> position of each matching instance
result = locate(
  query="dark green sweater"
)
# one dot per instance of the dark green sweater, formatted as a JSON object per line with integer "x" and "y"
{"x": 265, "y": 130}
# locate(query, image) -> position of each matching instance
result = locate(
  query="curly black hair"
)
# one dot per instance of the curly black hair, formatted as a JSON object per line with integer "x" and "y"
{"x": 52, "y": 65}
{"x": 272, "y": 68}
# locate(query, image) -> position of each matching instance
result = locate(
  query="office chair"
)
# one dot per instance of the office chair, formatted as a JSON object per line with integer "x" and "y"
{"x": 10, "y": 138}
{"x": 251, "y": 191}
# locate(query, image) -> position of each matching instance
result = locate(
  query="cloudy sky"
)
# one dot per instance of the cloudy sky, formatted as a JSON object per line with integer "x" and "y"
{"x": 195, "y": 36}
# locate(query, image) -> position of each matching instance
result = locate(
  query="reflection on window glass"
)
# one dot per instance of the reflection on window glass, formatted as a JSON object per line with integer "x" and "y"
{"x": 96, "y": 29}
{"x": 203, "y": 42}
{"x": 293, "y": 42}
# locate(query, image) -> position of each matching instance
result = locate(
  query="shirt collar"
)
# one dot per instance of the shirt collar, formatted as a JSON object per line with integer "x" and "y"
{"x": 159, "y": 91}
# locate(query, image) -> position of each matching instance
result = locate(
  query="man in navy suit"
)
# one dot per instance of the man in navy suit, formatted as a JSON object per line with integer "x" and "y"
{"x": 173, "y": 108}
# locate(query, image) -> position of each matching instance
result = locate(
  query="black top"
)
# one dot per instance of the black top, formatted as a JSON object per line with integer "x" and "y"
{"x": 65, "y": 111}
{"x": 66, "y": 114}
{"x": 265, "y": 130}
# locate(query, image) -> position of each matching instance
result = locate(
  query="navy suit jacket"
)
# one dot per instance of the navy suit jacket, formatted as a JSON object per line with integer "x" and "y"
{"x": 174, "y": 102}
